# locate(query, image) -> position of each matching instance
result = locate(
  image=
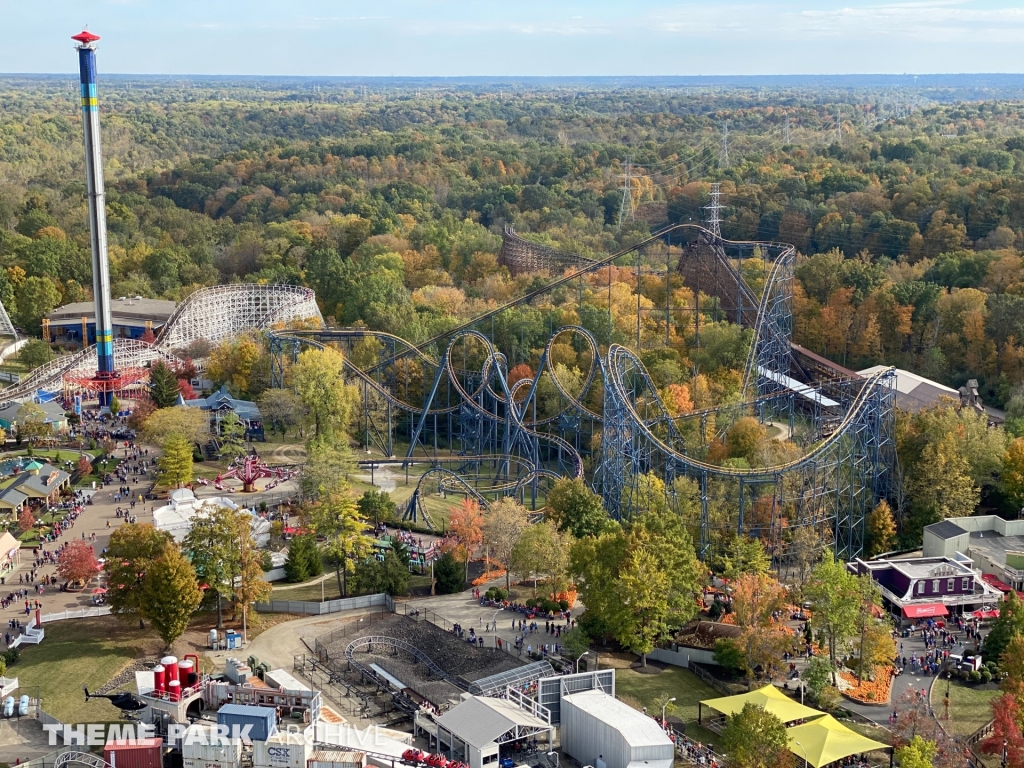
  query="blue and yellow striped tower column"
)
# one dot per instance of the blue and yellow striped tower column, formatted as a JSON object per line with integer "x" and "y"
{"x": 97, "y": 214}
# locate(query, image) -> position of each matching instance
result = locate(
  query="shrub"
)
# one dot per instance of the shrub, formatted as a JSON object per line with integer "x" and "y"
{"x": 986, "y": 676}
{"x": 975, "y": 676}
{"x": 496, "y": 593}
{"x": 563, "y": 605}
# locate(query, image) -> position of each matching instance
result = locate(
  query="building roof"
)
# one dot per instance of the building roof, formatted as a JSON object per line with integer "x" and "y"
{"x": 915, "y": 392}
{"x": 945, "y": 529}
{"x": 244, "y": 409}
{"x": 826, "y": 740}
{"x": 480, "y": 720}
{"x": 53, "y": 410}
{"x": 46, "y": 482}
{"x": 130, "y": 310}
{"x": 769, "y": 698}
{"x": 12, "y": 498}
{"x": 8, "y": 544}
{"x": 638, "y": 729}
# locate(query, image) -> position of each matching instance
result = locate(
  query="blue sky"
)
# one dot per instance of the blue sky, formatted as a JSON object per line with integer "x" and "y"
{"x": 518, "y": 37}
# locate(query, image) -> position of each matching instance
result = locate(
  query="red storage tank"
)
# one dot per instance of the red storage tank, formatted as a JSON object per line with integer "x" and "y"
{"x": 185, "y": 673}
{"x": 174, "y": 690}
{"x": 134, "y": 753}
{"x": 170, "y": 663}
{"x": 159, "y": 681}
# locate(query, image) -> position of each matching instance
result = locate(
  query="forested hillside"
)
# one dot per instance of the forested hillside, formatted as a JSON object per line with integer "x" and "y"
{"x": 390, "y": 204}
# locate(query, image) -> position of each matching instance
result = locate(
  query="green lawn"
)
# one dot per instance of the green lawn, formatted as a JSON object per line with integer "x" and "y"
{"x": 75, "y": 653}
{"x": 969, "y": 707}
{"x": 308, "y": 592}
{"x": 672, "y": 681}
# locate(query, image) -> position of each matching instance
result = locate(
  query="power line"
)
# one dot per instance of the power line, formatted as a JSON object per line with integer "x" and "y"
{"x": 627, "y": 194}
{"x": 724, "y": 156}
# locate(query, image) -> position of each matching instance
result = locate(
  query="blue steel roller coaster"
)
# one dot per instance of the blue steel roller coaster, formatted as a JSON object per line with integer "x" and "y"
{"x": 446, "y": 404}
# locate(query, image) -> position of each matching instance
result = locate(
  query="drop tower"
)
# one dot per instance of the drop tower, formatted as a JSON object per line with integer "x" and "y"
{"x": 106, "y": 377}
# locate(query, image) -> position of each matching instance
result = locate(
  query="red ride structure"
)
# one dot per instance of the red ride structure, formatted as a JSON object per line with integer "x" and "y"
{"x": 249, "y": 469}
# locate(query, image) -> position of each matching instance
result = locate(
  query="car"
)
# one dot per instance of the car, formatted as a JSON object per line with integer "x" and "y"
{"x": 9, "y": 706}
{"x": 23, "y": 706}
{"x": 437, "y": 761}
{"x": 415, "y": 756}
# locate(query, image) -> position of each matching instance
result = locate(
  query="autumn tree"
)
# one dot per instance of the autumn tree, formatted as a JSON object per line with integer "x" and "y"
{"x": 919, "y": 753}
{"x": 77, "y": 563}
{"x": 335, "y": 517}
{"x": 193, "y": 423}
{"x": 755, "y": 598}
{"x": 1006, "y": 737}
{"x": 26, "y": 519}
{"x": 171, "y": 593}
{"x": 210, "y": 545}
{"x": 249, "y": 585}
{"x": 282, "y": 409}
{"x": 504, "y": 524}
{"x": 466, "y": 522}
{"x": 743, "y": 554}
{"x": 175, "y": 465}
{"x": 318, "y": 377}
{"x": 237, "y": 363}
{"x": 1007, "y": 625}
{"x": 327, "y": 466}
{"x": 642, "y": 610}
{"x": 881, "y": 529}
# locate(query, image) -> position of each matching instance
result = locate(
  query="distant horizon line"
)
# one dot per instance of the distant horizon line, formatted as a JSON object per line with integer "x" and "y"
{"x": 881, "y": 75}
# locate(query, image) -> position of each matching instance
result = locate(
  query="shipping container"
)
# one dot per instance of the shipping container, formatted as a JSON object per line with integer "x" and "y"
{"x": 200, "y": 742}
{"x": 337, "y": 758}
{"x": 283, "y": 750}
{"x": 263, "y": 720}
{"x": 194, "y": 762}
{"x": 135, "y": 753}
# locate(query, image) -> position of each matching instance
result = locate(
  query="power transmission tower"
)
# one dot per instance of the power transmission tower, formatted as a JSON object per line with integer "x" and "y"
{"x": 714, "y": 219}
{"x": 723, "y": 157}
{"x": 627, "y": 193}
{"x": 785, "y": 130}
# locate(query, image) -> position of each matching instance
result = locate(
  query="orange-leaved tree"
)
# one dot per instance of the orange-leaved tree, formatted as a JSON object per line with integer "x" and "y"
{"x": 466, "y": 522}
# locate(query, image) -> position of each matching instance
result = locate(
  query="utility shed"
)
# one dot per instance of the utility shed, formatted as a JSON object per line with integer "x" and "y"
{"x": 599, "y": 730}
{"x": 476, "y": 730}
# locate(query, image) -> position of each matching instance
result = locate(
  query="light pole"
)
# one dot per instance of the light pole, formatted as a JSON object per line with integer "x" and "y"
{"x": 663, "y": 707}
{"x": 806, "y": 761}
{"x": 578, "y": 661}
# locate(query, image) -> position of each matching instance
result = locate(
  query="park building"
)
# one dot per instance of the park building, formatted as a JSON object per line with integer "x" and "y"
{"x": 36, "y": 484}
{"x": 54, "y": 415}
{"x": 220, "y": 403}
{"x": 132, "y": 317}
{"x": 993, "y": 546}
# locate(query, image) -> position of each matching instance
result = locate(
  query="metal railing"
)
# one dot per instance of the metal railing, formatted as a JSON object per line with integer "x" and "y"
{"x": 310, "y": 608}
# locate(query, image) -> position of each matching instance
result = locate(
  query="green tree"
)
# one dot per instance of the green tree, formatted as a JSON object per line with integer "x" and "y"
{"x": 318, "y": 376}
{"x": 390, "y": 576}
{"x": 210, "y": 545}
{"x": 744, "y": 554}
{"x": 326, "y": 467}
{"x": 576, "y": 642}
{"x": 755, "y": 738}
{"x": 575, "y": 508}
{"x": 376, "y": 505}
{"x": 818, "y": 675}
{"x": 170, "y": 593}
{"x": 32, "y": 422}
{"x": 919, "y": 753}
{"x": 1013, "y": 472}
{"x": 336, "y": 518}
{"x": 304, "y": 561}
{"x": 449, "y": 576}
{"x": 1005, "y": 627}
{"x": 835, "y": 595}
{"x": 232, "y": 437}
{"x": 729, "y": 655}
{"x": 542, "y": 550}
{"x": 642, "y": 606}
{"x": 131, "y": 551}
{"x": 115, "y": 404}
{"x": 175, "y": 464}
{"x": 36, "y": 352}
{"x": 36, "y": 297}
{"x": 163, "y": 385}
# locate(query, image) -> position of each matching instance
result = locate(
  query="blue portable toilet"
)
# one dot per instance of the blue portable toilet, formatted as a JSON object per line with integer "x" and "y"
{"x": 234, "y": 640}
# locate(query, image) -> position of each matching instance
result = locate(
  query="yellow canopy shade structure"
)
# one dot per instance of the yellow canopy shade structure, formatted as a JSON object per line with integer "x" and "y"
{"x": 826, "y": 740}
{"x": 769, "y": 698}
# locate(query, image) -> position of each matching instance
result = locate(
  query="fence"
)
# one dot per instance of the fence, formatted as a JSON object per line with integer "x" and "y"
{"x": 684, "y": 657}
{"x": 710, "y": 679}
{"x": 330, "y": 606}
{"x": 83, "y": 613}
